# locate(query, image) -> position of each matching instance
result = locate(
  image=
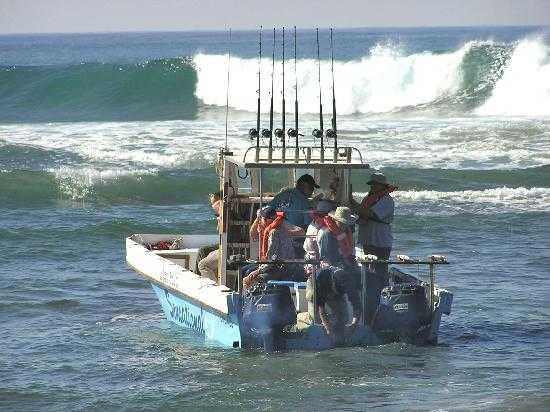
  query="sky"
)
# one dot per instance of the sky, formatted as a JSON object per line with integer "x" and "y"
{"x": 59, "y": 16}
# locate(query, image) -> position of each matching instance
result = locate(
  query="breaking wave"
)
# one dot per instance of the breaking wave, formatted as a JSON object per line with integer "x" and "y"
{"x": 524, "y": 88}
{"x": 480, "y": 77}
{"x": 387, "y": 80}
{"x": 514, "y": 190}
{"x": 484, "y": 202}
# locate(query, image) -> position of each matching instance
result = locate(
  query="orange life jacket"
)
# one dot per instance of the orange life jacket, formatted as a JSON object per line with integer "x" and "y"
{"x": 344, "y": 238}
{"x": 264, "y": 235}
{"x": 372, "y": 198}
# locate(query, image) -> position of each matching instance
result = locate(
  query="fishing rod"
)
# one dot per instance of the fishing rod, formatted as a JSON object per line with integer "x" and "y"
{"x": 294, "y": 132}
{"x": 332, "y": 133}
{"x": 227, "y": 91}
{"x": 254, "y": 133}
{"x": 269, "y": 132}
{"x": 318, "y": 133}
{"x": 280, "y": 133}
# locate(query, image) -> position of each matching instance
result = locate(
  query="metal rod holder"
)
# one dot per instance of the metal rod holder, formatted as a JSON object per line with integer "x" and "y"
{"x": 364, "y": 293}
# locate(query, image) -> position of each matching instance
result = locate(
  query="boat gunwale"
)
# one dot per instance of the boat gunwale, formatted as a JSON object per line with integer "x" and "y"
{"x": 183, "y": 295}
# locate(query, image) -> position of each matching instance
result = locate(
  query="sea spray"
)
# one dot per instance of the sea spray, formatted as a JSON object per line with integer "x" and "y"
{"x": 524, "y": 88}
{"x": 385, "y": 79}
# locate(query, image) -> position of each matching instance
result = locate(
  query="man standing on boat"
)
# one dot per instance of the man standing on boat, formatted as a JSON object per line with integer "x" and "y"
{"x": 339, "y": 276}
{"x": 296, "y": 205}
{"x": 376, "y": 213}
{"x": 295, "y": 201}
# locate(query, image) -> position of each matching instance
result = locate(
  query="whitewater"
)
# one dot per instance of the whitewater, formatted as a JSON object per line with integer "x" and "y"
{"x": 105, "y": 135}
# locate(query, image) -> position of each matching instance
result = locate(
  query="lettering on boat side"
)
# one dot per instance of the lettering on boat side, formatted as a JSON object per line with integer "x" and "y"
{"x": 169, "y": 279}
{"x": 401, "y": 307}
{"x": 182, "y": 314}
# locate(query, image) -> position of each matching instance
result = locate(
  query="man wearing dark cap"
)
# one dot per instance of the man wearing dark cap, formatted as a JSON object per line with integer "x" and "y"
{"x": 295, "y": 202}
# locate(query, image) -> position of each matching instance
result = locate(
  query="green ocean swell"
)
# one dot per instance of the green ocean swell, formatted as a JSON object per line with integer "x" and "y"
{"x": 154, "y": 90}
{"x": 164, "y": 89}
{"x": 25, "y": 188}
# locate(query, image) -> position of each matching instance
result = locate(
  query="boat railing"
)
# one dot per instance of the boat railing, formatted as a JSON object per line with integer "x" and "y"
{"x": 304, "y": 155}
{"x": 432, "y": 261}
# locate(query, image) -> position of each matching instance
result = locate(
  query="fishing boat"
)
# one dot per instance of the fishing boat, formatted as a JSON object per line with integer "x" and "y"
{"x": 281, "y": 315}
{"x": 409, "y": 308}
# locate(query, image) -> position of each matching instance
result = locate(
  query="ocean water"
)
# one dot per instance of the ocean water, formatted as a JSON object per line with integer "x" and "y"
{"x": 105, "y": 135}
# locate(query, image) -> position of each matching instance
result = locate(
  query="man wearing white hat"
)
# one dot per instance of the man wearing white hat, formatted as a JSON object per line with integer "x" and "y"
{"x": 338, "y": 277}
{"x": 376, "y": 213}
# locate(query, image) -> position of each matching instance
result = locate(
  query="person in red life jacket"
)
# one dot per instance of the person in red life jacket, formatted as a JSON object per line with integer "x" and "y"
{"x": 311, "y": 248}
{"x": 275, "y": 244}
{"x": 339, "y": 276}
{"x": 376, "y": 213}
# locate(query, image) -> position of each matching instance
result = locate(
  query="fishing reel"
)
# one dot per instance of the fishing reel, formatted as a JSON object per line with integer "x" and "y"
{"x": 266, "y": 133}
{"x": 317, "y": 133}
{"x": 293, "y": 133}
{"x": 330, "y": 134}
{"x": 253, "y": 134}
{"x": 279, "y": 133}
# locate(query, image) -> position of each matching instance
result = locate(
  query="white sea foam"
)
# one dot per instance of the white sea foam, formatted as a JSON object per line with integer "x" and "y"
{"x": 382, "y": 81}
{"x": 487, "y": 201}
{"x": 107, "y": 150}
{"x": 524, "y": 88}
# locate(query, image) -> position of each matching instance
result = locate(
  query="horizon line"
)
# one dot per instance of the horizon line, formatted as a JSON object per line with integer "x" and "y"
{"x": 219, "y": 30}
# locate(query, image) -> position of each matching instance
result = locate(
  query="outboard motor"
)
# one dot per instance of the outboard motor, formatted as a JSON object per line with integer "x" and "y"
{"x": 267, "y": 309}
{"x": 403, "y": 314}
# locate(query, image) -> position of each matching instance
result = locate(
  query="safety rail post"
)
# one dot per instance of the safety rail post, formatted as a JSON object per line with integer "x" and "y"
{"x": 432, "y": 286}
{"x": 313, "y": 277}
{"x": 364, "y": 292}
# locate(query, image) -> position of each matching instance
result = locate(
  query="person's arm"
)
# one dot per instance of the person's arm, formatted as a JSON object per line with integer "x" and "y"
{"x": 355, "y": 300}
{"x": 253, "y": 232}
{"x": 324, "y": 319}
{"x": 294, "y": 230}
{"x": 363, "y": 212}
{"x": 383, "y": 209}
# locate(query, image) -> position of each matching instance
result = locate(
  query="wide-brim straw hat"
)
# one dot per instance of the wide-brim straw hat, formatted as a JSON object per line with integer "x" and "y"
{"x": 343, "y": 215}
{"x": 378, "y": 178}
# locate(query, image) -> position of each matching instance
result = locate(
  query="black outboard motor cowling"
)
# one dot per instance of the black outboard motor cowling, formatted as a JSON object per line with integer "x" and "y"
{"x": 403, "y": 314}
{"x": 267, "y": 309}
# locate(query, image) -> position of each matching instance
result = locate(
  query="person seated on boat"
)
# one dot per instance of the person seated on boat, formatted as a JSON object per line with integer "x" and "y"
{"x": 376, "y": 213}
{"x": 339, "y": 275}
{"x": 207, "y": 266}
{"x": 275, "y": 244}
{"x": 318, "y": 221}
{"x": 258, "y": 226}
